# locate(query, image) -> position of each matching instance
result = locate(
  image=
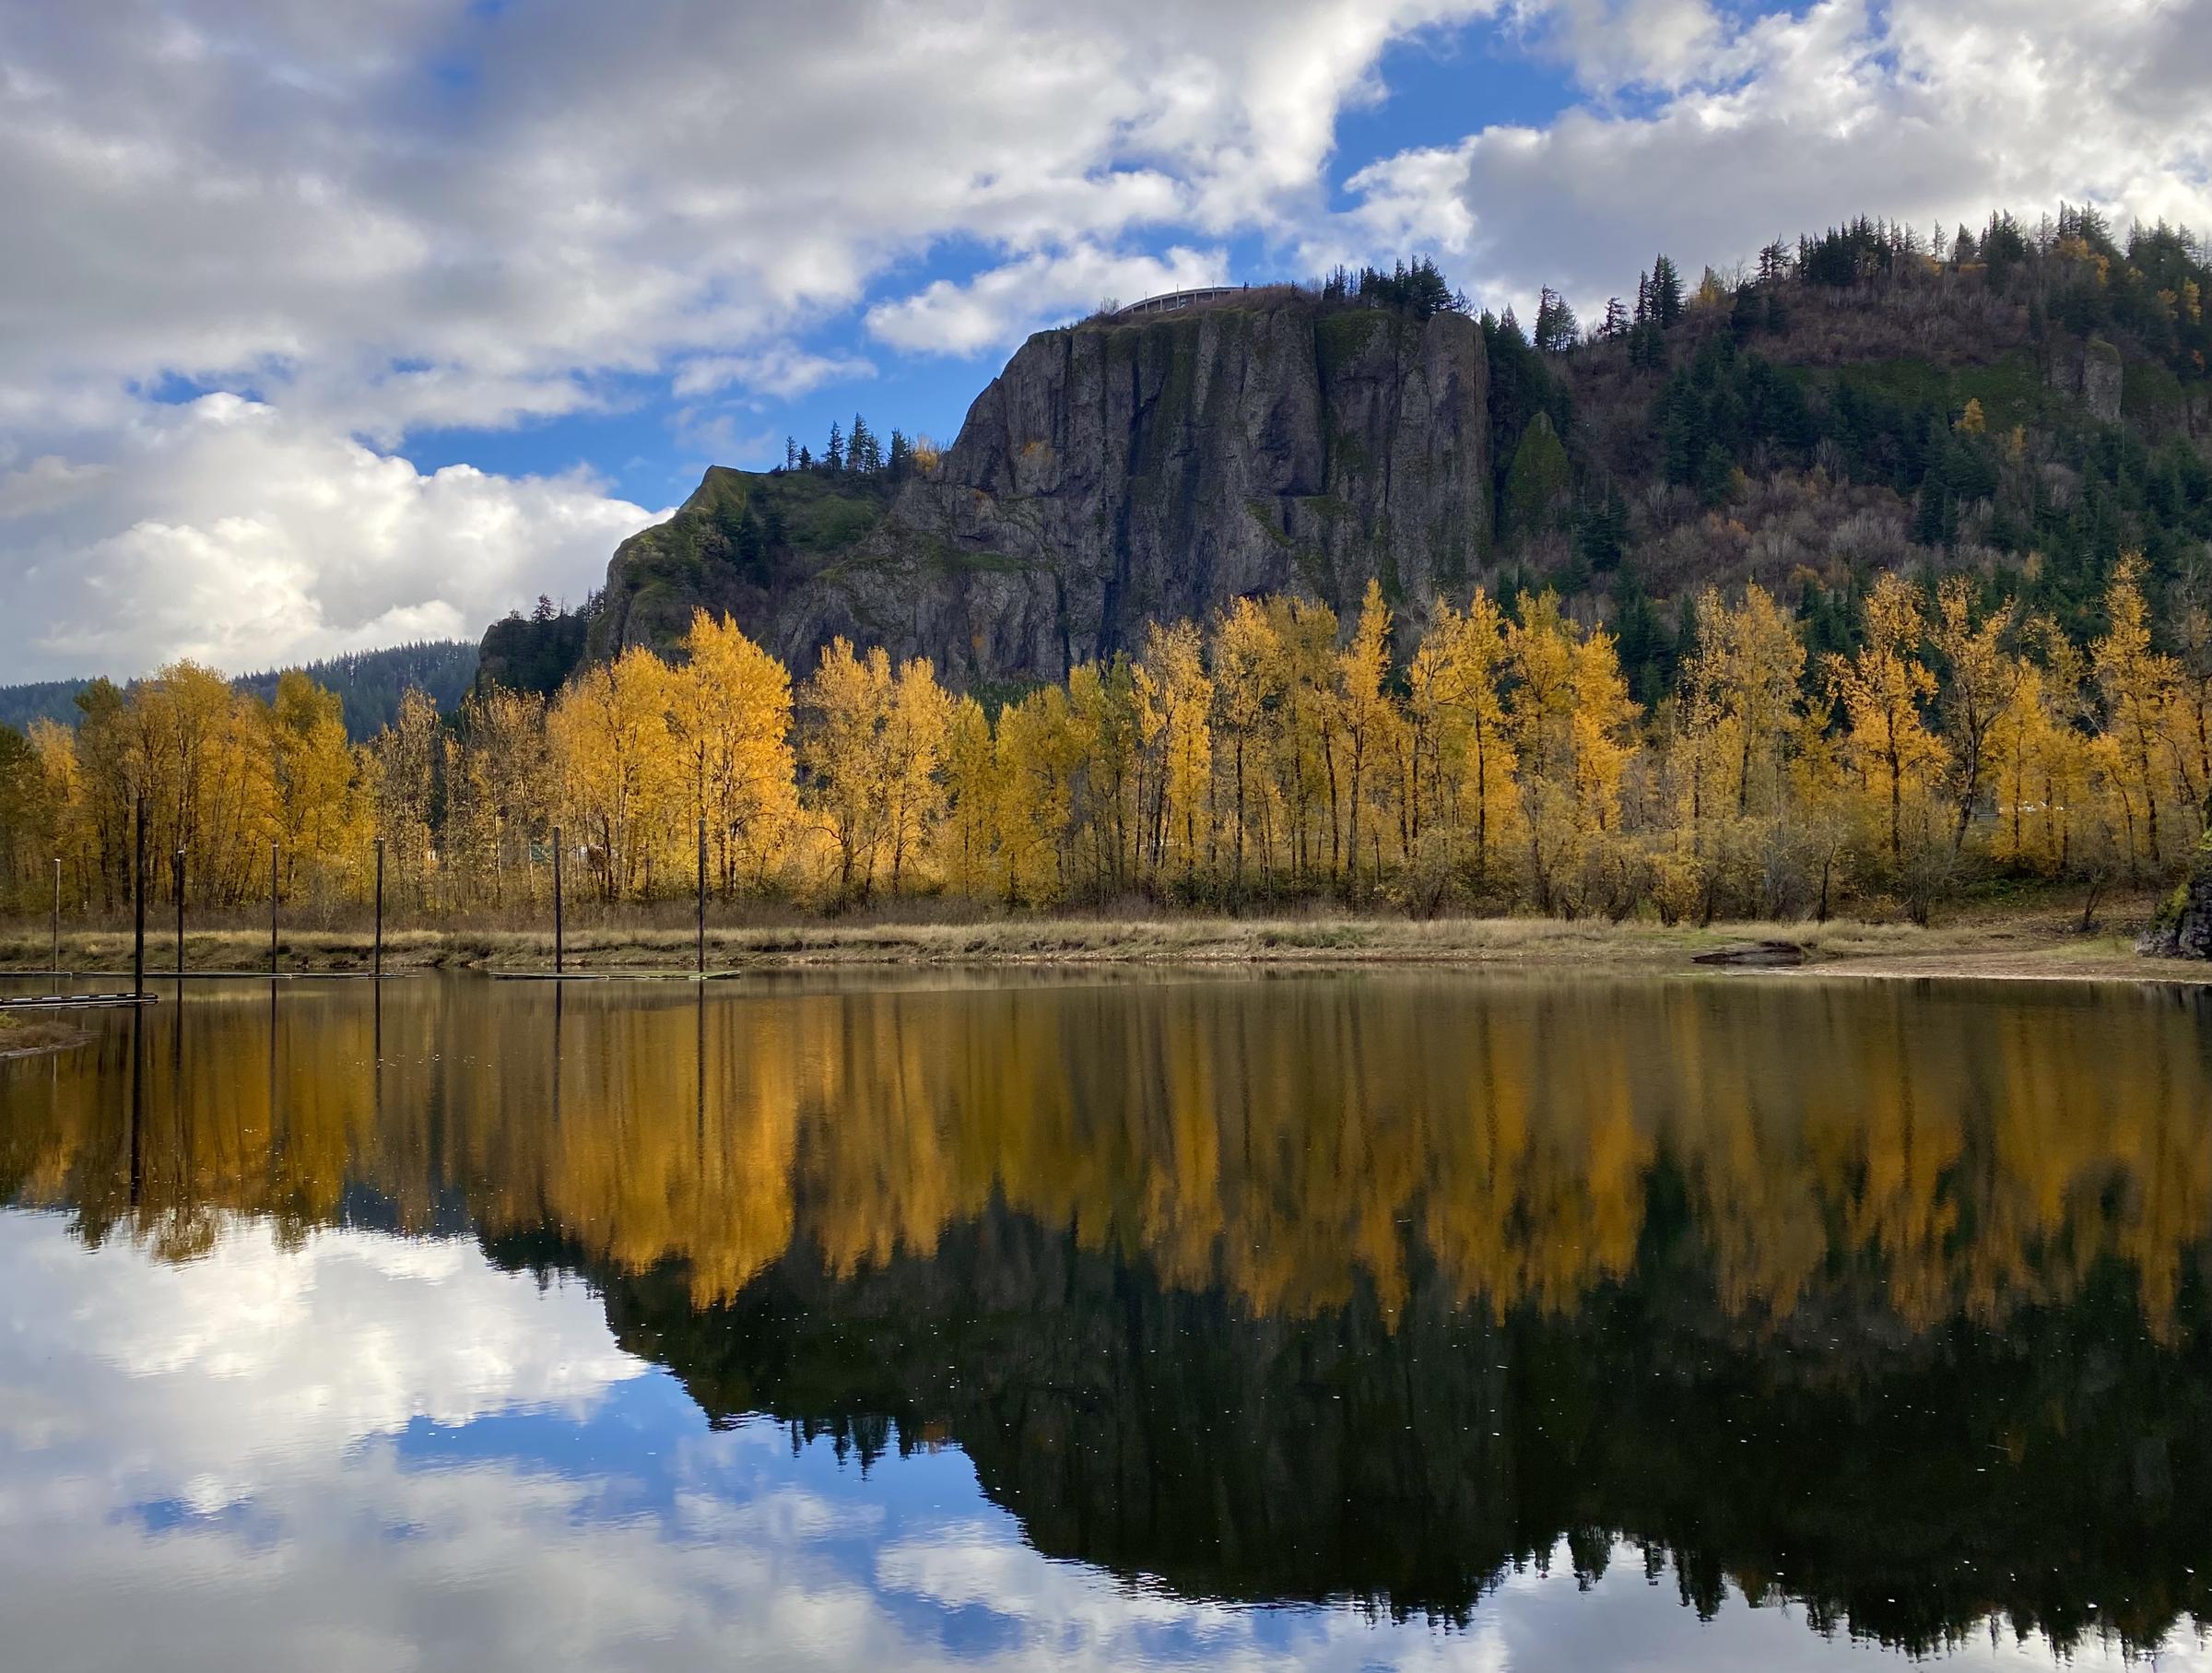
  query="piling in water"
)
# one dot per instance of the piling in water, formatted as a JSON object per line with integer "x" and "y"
{"x": 138, "y": 906}
{"x": 377, "y": 966}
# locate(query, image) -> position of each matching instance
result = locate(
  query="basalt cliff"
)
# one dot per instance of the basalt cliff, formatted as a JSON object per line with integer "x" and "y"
{"x": 1117, "y": 472}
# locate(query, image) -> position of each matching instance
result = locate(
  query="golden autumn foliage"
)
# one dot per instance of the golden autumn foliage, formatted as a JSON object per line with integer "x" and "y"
{"x": 1492, "y": 760}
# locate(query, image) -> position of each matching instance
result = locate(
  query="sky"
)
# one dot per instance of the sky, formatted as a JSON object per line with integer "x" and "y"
{"x": 326, "y": 326}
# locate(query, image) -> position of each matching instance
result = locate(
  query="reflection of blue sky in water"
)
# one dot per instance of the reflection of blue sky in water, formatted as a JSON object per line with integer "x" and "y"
{"x": 376, "y": 1452}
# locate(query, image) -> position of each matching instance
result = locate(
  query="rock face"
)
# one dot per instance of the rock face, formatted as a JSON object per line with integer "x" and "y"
{"x": 2184, "y": 929}
{"x": 1116, "y": 473}
{"x": 2096, "y": 373}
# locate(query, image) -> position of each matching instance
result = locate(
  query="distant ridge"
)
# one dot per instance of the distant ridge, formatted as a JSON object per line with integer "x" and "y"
{"x": 45, "y": 700}
{"x": 369, "y": 683}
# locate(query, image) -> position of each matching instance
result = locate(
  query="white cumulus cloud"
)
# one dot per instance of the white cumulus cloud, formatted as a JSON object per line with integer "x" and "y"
{"x": 221, "y": 530}
{"x": 1921, "y": 111}
{"x": 999, "y": 307}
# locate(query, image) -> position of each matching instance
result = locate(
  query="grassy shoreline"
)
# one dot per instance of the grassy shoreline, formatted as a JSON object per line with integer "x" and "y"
{"x": 2016, "y": 942}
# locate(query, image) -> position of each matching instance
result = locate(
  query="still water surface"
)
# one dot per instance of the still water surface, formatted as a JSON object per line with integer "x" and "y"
{"x": 1328, "y": 1321}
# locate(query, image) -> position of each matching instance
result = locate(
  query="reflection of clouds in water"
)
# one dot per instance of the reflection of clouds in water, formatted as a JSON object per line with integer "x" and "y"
{"x": 251, "y": 1354}
{"x": 383, "y": 1455}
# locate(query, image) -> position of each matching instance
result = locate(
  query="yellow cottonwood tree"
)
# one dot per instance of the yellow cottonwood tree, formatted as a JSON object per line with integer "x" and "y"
{"x": 1983, "y": 680}
{"x": 399, "y": 770}
{"x": 1247, "y": 660}
{"x": 507, "y": 767}
{"x": 1458, "y": 706}
{"x": 1305, "y": 768}
{"x": 618, "y": 770}
{"x": 1363, "y": 708}
{"x": 2040, "y": 758}
{"x": 318, "y": 817}
{"x": 730, "y": 713}
{"x": 967, "y": 837}
{"x": 1039, "y": 743}
{"x": 847, "y": 701}
{"x": 199, "y": 756}
{"x": 1174, "y": 687}
{"x": 1886, "y": 743}
{"x": 917, "y": 721}
{"x": 1570, "y": 711}
{"x": 2137, "y": 684}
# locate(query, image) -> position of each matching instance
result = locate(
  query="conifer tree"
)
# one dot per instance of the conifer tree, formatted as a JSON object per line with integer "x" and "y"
{"x": 1666, "y": 292}
{"x": 1556, "y": 328}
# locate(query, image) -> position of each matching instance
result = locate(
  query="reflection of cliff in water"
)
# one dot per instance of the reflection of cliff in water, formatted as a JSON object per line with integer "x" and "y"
{"x": 1910, "y": 1487}
{"x": 1889, "y": 1300}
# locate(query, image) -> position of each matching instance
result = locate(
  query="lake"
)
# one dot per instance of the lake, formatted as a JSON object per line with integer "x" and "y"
{"x": 1331, "y": 1321}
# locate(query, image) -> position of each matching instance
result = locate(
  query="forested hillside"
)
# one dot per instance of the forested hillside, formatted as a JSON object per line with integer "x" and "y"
{"x": 54, "y": 699}
{"x": 370, "y": 684}
{"x": 367, "y": 684}
{"x": 2018, "y": 407}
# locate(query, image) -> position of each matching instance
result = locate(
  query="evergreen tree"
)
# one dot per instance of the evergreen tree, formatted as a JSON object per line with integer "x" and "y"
{"x": 834, "y": 459}
{"x": 1601, "y": 532}
{"x": 1745, "y": 314}
{"x": 1666, "y": 292}
{"x": 1641, "y": 641}
{"x": 1538, "y": 486}
{"x": 862, "y": 451}
{"x": 1556, "y": 328}
{"x": 1685, "y": 633}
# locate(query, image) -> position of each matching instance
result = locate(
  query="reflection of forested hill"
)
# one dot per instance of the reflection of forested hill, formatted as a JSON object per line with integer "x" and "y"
{"x": 2059, "y": 1472}
{"x": 1889, "y": 1301}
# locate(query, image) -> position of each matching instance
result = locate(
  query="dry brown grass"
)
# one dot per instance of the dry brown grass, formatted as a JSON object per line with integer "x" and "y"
{"x": 1996, "y": 942}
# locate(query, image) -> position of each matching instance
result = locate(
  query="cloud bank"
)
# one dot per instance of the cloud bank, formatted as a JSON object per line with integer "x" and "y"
{"x": 362, "y": 226}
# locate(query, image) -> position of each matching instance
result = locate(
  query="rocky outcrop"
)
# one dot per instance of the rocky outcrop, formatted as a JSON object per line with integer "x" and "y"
{"x": 2184, "y": 928}
{"x": 1116, "y": 473}
{"x": 2095, "y": 373}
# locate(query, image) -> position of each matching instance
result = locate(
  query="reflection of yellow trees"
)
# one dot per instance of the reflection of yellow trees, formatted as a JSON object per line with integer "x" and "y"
{"x": 1934, "y": 1154}
{"x": 649, "y": 1161}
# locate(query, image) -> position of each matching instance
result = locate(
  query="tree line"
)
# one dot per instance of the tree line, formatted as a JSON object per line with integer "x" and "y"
{"x": 1496, "y": 760}
{"x": 2077, "y": 274}
{"x": 860, "y": 452}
